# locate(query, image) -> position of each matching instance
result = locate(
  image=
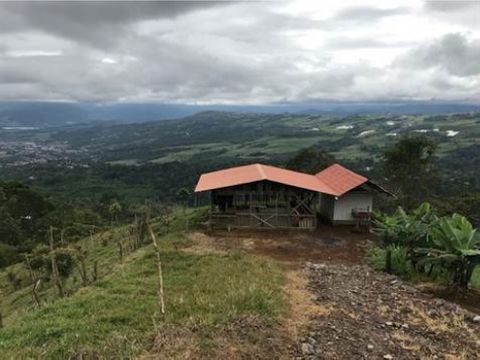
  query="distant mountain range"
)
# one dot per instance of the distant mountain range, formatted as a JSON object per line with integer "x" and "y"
{"x": 51, "y": 114}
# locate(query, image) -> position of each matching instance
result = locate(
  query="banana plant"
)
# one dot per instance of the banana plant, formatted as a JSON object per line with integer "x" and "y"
{"x": 454, "y": 245}
{"x": 402, "y": 229}
{"x": 387, "y": 228}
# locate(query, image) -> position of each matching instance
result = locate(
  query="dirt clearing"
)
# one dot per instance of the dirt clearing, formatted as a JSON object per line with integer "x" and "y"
{"x": 327, "y": 244}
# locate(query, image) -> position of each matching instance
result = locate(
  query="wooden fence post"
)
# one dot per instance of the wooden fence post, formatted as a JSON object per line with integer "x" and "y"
{"x": 95, "y": 270}
{"x": 82, "y": 254}
{"x": 35, "y": 282}
{"x": 160, "y": 275}
{"x": 55, "y": 274}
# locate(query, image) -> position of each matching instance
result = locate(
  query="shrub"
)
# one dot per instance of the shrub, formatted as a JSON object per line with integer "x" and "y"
{"x": 446, "y": 247}
{"x": 400, "y": 262}
{"x": 8, "y": 255}
{"x": 13, "y": 280}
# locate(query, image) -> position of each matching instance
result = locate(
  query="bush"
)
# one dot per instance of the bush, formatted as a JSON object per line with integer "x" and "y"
{"x": 8, "y": 255}
{"x": 40, "y": 260}
{"x": 13, "y": 280}
{"x": 65, "y": 263}
{"x": 446, "y": 247}
{"x": 401, "y": 264}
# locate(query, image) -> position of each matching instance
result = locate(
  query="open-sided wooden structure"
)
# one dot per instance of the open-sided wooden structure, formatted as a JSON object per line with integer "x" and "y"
{"x": 261, "y": 196}
{"x": 264, "y": 204}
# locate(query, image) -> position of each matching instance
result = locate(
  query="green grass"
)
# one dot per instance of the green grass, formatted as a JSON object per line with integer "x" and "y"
{"x": 117, "y": 315}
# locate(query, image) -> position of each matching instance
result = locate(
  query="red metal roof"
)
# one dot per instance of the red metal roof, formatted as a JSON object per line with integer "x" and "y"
{"x": 340, "y": 179}
{"x": 335, "y": 180}
{"x": 258, "y": 172}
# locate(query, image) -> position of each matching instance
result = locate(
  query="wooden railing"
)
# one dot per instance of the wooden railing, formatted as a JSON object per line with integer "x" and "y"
{"x": 263, "y": 220}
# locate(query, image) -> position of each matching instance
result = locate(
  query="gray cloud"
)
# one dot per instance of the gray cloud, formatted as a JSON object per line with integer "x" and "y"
{"x": 96, "y": 23}
{"x": 452, "y": 53}
{"x": 451, "y": 5}
{"x": 461, "y": 12}
{"x": 218, "y": 53}
{"x": 366, "y": 14}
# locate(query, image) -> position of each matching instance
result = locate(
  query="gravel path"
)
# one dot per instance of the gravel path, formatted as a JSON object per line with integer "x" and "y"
{"x": 370, "y": 315}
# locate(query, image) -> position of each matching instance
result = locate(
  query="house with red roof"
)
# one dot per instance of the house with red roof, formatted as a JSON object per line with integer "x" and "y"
{"x": 263, "y": 196}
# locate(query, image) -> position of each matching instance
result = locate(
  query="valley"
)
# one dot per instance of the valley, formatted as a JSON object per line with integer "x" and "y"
{"x": 234, "y": 137}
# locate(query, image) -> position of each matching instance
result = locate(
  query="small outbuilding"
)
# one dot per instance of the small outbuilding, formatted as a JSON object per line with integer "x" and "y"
{"x": 262, "y": 196}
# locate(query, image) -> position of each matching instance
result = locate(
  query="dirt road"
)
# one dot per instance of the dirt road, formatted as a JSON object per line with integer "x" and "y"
{"x": 371, "y": 315}
{"x": 349, "y": 311}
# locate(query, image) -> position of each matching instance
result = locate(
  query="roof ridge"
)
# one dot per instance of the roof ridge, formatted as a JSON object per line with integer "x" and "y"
{"x": 260, "y": 169}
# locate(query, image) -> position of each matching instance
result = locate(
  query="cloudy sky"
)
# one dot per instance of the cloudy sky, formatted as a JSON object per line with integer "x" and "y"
{"x": 241, "y": 52}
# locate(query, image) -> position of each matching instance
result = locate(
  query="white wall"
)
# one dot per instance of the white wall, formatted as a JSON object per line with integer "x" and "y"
{"x": 346, "y": 203}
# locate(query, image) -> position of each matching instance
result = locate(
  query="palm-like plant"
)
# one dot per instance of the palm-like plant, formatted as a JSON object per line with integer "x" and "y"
{"x": 454, "y": 245}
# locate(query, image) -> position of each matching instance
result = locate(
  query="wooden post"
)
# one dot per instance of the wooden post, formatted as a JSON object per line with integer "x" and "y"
{"x": 35, "y": 296}
{"x": 161, "y": 300}
{"x": 83, "y": 268}
{"x": 33, "y": 277}
{"x": 55, "y": 274}
{"x": 95, "y": 271}
{"x": 210, "y": 215}
{"x": 251, "y": 209}
{"x": 62, "y": 232}
{"x": 120, "y": 250}
{"x": 276, "y": 210}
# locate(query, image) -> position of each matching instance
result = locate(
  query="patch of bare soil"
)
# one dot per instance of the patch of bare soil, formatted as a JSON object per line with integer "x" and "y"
{"x": 246, "y": 338}
{"x": 202, "y": 244}
{"x": 326, "y": 244}
{"x": 373, "y": 315}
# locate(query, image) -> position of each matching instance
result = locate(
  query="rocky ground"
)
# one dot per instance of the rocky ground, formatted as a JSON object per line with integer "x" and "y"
{"x": 363, "y": 314}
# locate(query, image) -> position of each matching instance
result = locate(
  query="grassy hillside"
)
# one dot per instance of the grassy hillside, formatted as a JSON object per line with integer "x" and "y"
{"x": 206, "y": 294}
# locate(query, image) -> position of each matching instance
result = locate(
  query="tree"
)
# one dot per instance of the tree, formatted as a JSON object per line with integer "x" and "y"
{"x": 310, "y": 160}
{"x": 114, "y": 209}
{"x": 409, "y": 167}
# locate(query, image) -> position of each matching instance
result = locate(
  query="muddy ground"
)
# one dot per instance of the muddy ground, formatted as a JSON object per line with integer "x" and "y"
{"x": 342, "y": 309}
{"x": 327, "y": 244}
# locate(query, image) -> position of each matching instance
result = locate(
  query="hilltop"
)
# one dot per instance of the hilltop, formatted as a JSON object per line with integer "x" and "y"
{"x": 240, "y": 295}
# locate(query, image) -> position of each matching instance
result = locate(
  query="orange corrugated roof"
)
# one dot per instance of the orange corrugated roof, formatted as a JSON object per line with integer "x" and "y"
{"x": 340, "y": 179}
{"x": 258, "y": 172}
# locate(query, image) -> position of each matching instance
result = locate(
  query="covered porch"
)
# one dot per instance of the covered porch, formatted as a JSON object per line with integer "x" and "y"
{"x": 263, "y": 205}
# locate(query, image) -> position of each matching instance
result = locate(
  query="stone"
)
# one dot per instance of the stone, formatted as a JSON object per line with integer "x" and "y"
{"x": 388, "y": 357}
{"x": 389, "y": 323}
{"x": 476, "y": 319}
{"x": 405, "y": 326}
{"x": 369, "y": 347}
{"x": 307, "y": 349}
